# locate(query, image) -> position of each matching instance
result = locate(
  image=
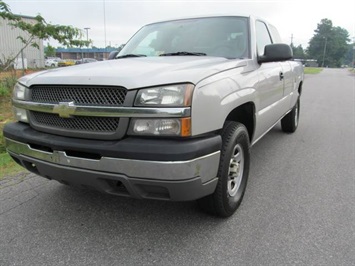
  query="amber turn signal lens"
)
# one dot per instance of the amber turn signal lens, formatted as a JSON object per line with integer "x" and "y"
{"x": 186, "y": 127}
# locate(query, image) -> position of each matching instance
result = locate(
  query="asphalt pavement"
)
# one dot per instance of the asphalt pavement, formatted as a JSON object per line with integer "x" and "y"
{"x": 299, "y": 207}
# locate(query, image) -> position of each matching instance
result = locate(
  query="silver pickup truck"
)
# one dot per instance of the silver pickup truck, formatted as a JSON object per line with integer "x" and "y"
{"x": 172, "y": 117}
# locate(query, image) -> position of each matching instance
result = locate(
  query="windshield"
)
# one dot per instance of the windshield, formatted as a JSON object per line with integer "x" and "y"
{"x": 217, "y": 36}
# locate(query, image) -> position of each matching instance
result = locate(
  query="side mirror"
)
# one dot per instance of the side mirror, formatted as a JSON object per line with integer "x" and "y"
{"x": 276, "y": 52}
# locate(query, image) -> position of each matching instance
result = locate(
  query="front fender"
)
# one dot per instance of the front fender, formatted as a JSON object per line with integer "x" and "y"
{"x": 214, "y": 101}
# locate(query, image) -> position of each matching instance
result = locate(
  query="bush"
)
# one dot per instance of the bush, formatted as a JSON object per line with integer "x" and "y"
{"x": 6, "y": 85}
{"x": 2, "y": 145}
{"x": 4, "y": 91}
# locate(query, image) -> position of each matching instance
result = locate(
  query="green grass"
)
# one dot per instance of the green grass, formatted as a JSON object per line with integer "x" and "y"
{"x": 312, "y": 70}
{"x": 8, "y": 166}
{"x": 6, "y": 85}
{"x": 6, "y": 116}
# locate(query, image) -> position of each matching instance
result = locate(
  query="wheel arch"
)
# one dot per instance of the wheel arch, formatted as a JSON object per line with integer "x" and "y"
{"x": 244, "y": 114}
{"x": 300, "y": 88}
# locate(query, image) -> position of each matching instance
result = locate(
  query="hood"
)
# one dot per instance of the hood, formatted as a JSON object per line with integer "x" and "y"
{"x": 137, "y": 72}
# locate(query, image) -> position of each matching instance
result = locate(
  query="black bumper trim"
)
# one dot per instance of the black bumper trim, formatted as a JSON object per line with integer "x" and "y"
{"x": 129, "y": 148}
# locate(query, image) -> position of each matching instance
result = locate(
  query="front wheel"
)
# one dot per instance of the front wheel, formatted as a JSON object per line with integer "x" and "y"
{"x": 233, "y": 171}
{"x": 289, "y": 123}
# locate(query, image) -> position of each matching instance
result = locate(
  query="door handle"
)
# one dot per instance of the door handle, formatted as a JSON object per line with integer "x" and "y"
{"x": 281, "y": 76}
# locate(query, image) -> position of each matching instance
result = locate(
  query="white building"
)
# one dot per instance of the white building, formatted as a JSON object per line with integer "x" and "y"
{"x": 10, "y": 45}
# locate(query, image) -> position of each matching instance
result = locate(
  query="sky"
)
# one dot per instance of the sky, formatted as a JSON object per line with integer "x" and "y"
{"x": 113, "y": 22}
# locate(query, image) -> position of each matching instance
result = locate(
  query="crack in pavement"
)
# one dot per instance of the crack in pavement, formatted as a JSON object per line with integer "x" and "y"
{"x": 20, "y": 203}
{"x": 24, "y": 196}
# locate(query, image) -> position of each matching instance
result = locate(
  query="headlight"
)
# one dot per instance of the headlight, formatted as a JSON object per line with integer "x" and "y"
{"x": 161, "y": 127}
{"x": 172, "y": 95}
{"x": 19, "y": 92}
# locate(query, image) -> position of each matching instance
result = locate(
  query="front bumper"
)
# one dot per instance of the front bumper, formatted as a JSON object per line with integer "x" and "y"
{"x": 175, "y": 170}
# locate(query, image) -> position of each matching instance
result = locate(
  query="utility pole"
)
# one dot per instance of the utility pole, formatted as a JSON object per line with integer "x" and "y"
{"x": 292, "y": 39}
{"x": 87, "y": 40}
{"x": 104, "y": 55}
{"x": 325, "y": 49}
{"x": 87, "y": 35}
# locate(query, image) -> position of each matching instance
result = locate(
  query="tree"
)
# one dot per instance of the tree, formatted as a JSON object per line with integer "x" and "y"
{"x": 40, "y": 29}
{"x": 350, "y": 55}
{"x": 298, "y": 52}
{"x": 49, "y": 51}
{"x": 329, "y": 44}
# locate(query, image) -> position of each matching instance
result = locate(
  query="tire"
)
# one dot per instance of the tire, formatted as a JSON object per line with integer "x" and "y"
{"x": 289, "y": 123}
{"x": 233, "y": 171}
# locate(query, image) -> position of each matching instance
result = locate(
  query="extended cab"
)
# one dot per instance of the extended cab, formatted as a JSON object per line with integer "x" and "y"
{"x": 172, "y": 117}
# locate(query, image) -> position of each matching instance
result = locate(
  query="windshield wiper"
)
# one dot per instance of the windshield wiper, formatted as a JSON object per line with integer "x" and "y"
{"x": 182, "y": 53}
{"x": 129, "y": 55}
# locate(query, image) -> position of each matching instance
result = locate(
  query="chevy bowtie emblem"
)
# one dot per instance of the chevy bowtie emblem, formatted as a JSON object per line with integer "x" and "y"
{"x": 64, "y": 109}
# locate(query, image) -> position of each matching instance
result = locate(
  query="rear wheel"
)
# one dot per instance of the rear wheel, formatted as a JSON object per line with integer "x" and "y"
{"x": 289, "y": 123}
{"x": 233, "y": 171}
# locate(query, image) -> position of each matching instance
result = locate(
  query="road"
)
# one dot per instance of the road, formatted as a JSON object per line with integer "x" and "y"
{"x": 298, "y": 208}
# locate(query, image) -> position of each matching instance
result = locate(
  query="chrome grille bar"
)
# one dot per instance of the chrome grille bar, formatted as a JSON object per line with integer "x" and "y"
{"x": 104, "y": 111}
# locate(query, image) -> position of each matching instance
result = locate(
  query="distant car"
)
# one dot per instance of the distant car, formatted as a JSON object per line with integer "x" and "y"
{"x": 51, "y": 62}
{"x": 67, "y": 62}
{"x": 85, "y": 60}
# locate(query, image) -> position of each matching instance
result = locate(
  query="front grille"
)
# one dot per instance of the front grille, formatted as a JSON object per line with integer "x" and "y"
{"x": 81, "y": 95}
{"x": 78, "y": 126}
{"x": 77, "y": 123}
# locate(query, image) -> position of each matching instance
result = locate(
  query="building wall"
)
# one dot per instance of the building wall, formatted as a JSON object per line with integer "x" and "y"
{"x": 10, "y": 45}
{"x": 77, "y": 53}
